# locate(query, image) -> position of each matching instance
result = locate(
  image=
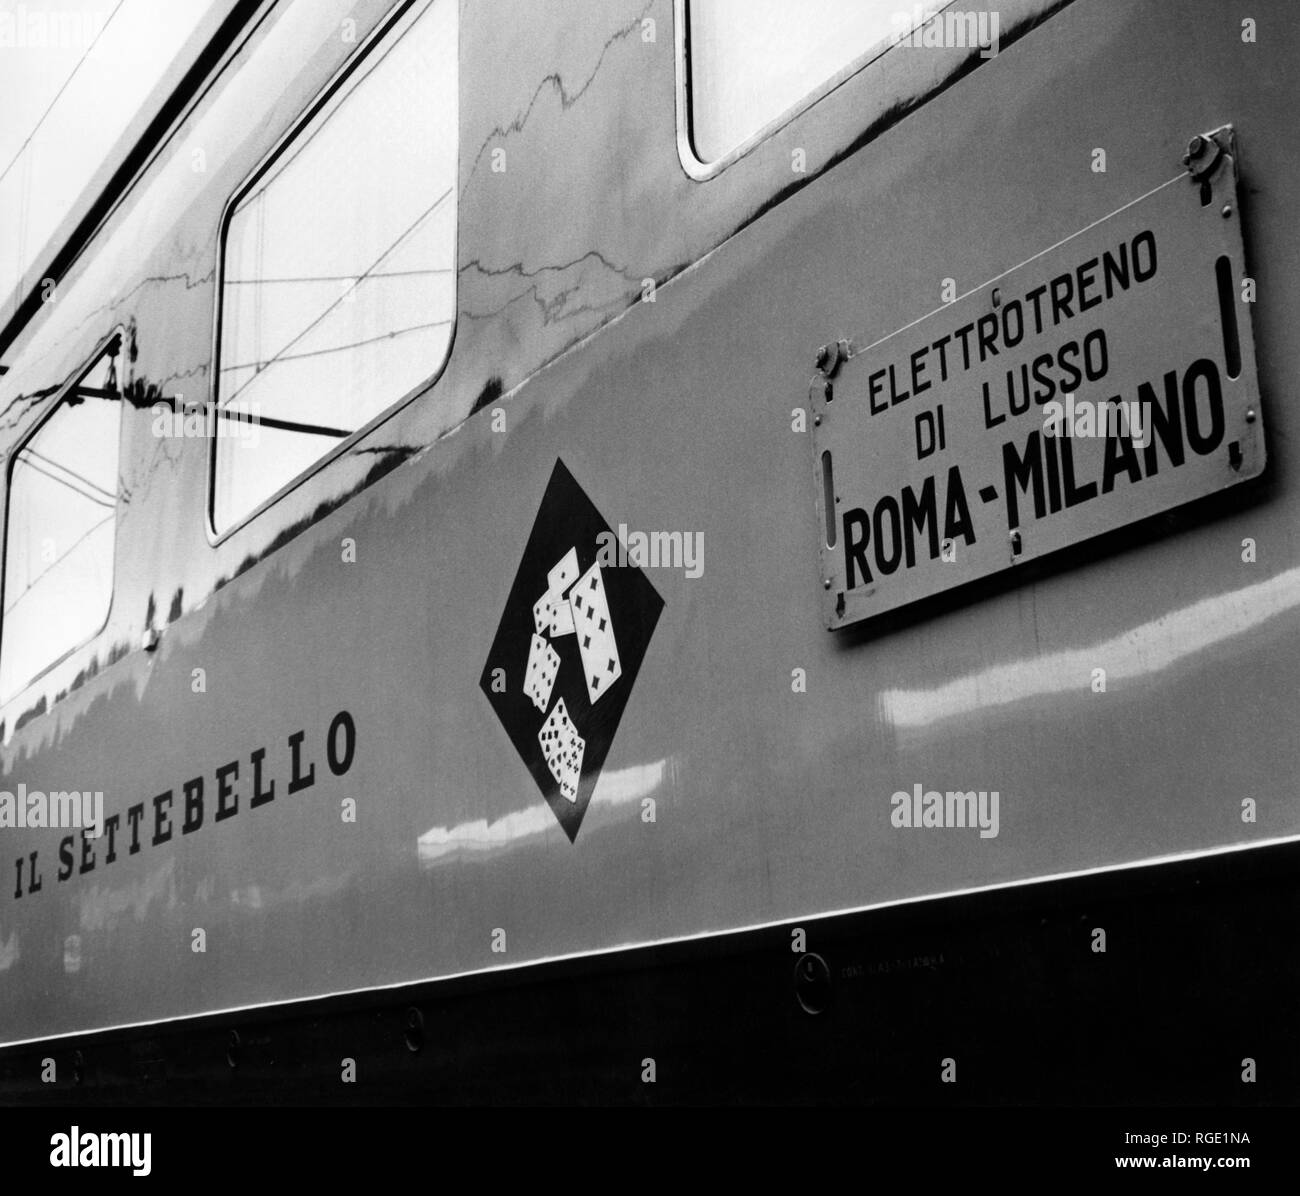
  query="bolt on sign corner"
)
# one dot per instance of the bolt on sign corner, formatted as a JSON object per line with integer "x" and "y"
{"x": 568, "y": 649}
{"x": 1107, "y": 379}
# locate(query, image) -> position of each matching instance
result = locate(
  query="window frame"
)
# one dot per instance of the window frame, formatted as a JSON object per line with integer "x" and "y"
{"x": 405, "y": 15}
{"x": 701, "y": 171}
{"x": 118, "y": 335}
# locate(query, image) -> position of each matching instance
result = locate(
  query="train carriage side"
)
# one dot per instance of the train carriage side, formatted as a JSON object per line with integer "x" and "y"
{"x": 378, "y": 779}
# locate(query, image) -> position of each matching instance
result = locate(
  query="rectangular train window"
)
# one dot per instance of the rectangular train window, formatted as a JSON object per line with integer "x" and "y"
{"x": 60, "y": 528}
{"x": 338, "y": 281}
{"x": 752, "y": 61}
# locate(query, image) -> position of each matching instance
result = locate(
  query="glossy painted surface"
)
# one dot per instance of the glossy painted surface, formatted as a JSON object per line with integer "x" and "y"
{"x": 673, "y": 415}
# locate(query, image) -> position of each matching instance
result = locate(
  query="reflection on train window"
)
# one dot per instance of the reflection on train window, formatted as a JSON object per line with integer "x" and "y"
{"x": 753, "y": 60}
{"x": 338, "y": 283}
{"x": 59, "y": 536}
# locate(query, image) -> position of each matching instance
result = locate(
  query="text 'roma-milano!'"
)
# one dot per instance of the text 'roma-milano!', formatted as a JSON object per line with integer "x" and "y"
{"x": 1038, "y": 465}
{"x": 155, "y": 822}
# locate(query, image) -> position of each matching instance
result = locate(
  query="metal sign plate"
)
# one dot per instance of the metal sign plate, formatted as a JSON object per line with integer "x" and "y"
{"x": 1107, "y": 379}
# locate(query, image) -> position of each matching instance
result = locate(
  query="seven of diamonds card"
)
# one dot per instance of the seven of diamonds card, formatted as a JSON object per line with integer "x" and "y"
{"x": 539, "y": 676}
{"x": 596, "y": 643}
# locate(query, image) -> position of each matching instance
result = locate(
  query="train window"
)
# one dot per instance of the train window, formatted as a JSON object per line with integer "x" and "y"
{"x": 60, "y": 527}
{"x": 751, "y": 61}
{"x": 338, "y": 266}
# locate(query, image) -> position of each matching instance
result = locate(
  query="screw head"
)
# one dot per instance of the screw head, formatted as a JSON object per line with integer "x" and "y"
{"x": 1227, "y": 210}
{"x": 997, "y": 297}
{"x": 826, "y": 583}
{"x": 812, "y": 984}
{"x": 830, "y": 355}
{"x": 1250, "y": 415}
{"x": 414, "y": 1030}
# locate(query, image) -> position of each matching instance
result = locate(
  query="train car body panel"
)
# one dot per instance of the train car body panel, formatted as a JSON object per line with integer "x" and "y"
{"x": 749, "y": 779}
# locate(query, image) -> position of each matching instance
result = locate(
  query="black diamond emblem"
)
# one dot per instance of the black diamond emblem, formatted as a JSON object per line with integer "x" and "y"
{"x": 562, "y": 715}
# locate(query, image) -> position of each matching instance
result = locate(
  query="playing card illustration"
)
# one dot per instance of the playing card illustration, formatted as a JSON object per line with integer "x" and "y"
{"x": 563, "y": 748}
{"x": 600, "y": 663}
{"x": 544, "y": 613}
{"x": 552, "y": 614}
{"x": 559, "y": 579}
{"x": 561, "y": 619}
{"x": 564, "y": 574}
{"x": 539, "y": 676}
{"x": 556, "y": 731}
{"x": 560, "y": 695}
